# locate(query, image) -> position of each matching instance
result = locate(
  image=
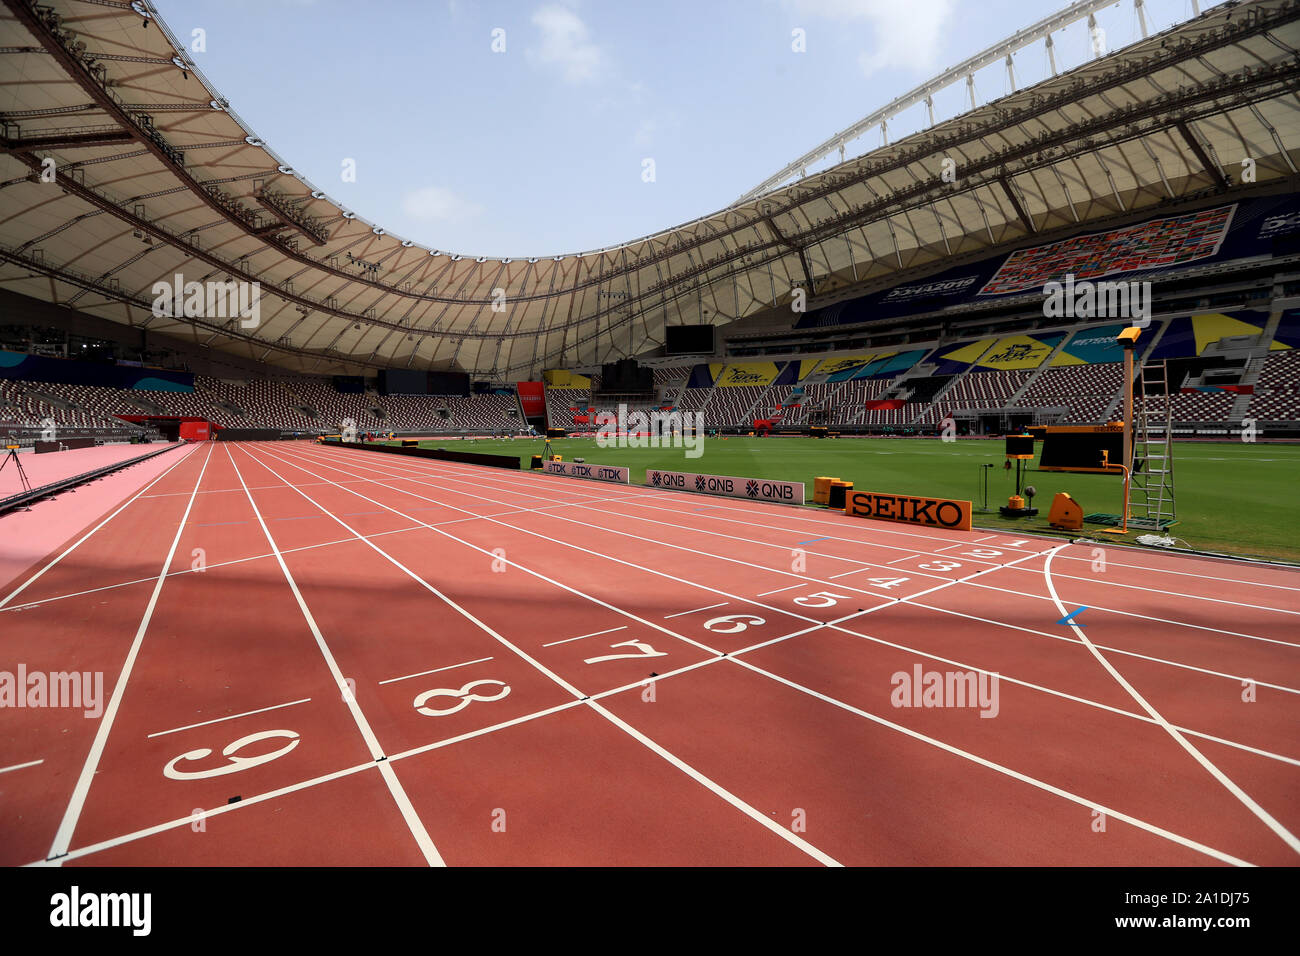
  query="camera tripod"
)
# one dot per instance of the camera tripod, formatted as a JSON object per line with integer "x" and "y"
{"x": 18, "y": 463}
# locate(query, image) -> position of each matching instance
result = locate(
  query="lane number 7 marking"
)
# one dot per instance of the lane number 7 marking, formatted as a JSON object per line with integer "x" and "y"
{"x": 645, "y": 651}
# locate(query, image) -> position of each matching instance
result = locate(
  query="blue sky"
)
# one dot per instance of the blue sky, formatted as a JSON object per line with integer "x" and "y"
{"x": 540, "y": 149}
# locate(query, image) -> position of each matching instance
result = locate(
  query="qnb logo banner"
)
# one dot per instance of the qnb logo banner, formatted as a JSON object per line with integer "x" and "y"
{"x": 930, "y": 512}
{"x": 756, "y": 489}
{"x": 595, "y": 472}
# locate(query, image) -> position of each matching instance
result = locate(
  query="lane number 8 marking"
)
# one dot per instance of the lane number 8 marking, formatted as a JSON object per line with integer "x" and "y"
{"x": 465, "y": 694}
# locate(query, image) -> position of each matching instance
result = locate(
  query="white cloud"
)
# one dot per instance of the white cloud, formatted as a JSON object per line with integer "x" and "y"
{"x": 905, "y": 33}
{"x": 435, "y": 204}
{"x": 566, "y": 45}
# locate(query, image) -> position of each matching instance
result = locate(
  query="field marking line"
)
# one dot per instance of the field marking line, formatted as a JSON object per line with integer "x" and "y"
{"x": 707, "y": 607}
{"x": 946, "y": 582}
{"x": 586, "y": 699}
{"x": 742, "y": 805}
{"x": 580, "y": 637}
{"x": 779, "y": 590}
{"x": 484, "y": 551}
{"x": 922, "y": 573}
{"x": 1004, "y": 770}
{"x": 1265, "y": 817}
{"x": 82, "y": 540}
{"x": 247, "y": 713}
{"x": 258, "y": 557}
{"x": 72, "y": 813}
{"x": 1236, "y": 678}
{"x": 638, "y": 494}
{"x": 418, "y": 831}
{"x": 993, "y": 567}
{"x": 436, "y": 670}
{"x": 20, "y": 766}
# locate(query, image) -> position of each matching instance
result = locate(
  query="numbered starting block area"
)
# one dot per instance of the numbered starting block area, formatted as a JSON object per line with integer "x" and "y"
{"x": 434, "y": 662}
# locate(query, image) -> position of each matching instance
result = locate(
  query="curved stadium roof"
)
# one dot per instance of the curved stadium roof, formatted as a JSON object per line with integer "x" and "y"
{"x": 157, "y": 175}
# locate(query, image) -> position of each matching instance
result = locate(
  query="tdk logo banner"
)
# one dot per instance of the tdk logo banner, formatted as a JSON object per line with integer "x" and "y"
{"x": 756, "y": 489}
{"x": 612, "y": 473}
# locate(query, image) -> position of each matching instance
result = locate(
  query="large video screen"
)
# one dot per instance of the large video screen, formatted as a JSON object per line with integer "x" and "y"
{"x": 688, "y": 339}
{"x": 448, "y": 383}
{"x": 403, "y": 381}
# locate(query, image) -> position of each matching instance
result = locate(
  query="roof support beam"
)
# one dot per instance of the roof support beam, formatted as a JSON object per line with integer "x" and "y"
{"x": 803, "y": 260}
{"x": 1015, "y": 204}
{"x": 1198, "y": 151}
{"x": 67, "y": 141}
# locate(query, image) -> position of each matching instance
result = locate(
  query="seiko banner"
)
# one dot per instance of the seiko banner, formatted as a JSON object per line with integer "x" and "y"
{"x": 595, "y": 472}
{"x": 756, "y": 489}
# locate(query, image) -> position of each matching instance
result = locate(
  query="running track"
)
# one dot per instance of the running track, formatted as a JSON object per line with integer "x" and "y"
{"x": 416, "y": 662}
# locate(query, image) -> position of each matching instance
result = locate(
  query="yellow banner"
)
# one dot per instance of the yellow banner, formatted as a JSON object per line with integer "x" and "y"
{"x": 1016, "y": 351}
{"x": 758, "y": 373}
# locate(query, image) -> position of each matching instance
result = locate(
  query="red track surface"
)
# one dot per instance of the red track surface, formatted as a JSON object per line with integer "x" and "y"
{"x": 456, "y": 666}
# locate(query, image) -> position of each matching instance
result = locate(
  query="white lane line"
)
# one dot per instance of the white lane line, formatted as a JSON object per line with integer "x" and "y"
{"x": 845, "y": 574}
{"x": 247, "y": 713}
{"x": 695, "y": 774}
{"x": 707, "y": 607}
{"x": 779, "y": 590}
{"x": 421, "y": 835}
{"x": 436, "y": 670}
{"x": 946, "y": 583}
{"x": 1143, "y": 617}
{"x": 1178, "y": 594}
{"x": 215, "y": 811}
{"x": 1235, "y": 678}
{"x": 1268, "y": 820}
{"x": 20, "y": 766}
{"x": 1026, "y": 556}
{"x": 790, "y": 837}
{"x": 82, "y": 540}
{"x": 1007, "y": 771}
{"x": 637, "y": 498}
{"x": 63, "y": 836}
{"x": 581, "y": 636}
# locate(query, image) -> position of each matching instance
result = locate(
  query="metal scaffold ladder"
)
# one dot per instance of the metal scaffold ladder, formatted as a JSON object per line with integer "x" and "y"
{"x": 1151, "y": 491}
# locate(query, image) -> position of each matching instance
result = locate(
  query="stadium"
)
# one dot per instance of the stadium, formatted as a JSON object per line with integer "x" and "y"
{"x": 931, "y": 504}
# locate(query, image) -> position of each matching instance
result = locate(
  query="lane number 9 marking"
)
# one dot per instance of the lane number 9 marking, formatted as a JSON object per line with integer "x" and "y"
{"x": 231, "y": 751}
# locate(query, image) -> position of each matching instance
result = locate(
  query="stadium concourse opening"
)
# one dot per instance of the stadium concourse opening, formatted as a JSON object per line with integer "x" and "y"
{"x": 684, "y": 551}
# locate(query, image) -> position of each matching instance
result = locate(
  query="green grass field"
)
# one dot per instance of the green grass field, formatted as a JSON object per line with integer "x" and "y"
{"x": 1232, "y": 497}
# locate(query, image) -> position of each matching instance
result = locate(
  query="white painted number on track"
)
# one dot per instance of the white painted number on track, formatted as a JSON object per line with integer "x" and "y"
{"x": 231, "y": 751}
{"x": 940, "y": 566}
{"x": 732, "y": 623}
{"x": 888, "y": 582}
{"x": 645, "y": 651}
{"x": 821, "y": 599}
{"x": 982, "y": 553}
{"x": 464, "y": 693}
